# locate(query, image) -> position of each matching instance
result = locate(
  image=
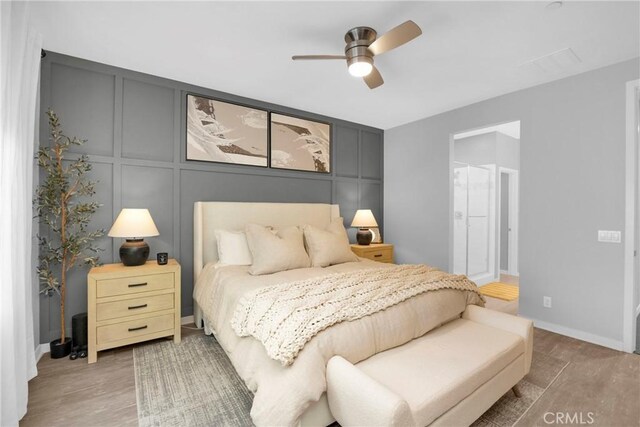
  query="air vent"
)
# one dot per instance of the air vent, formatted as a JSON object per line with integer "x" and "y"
{"x": 554, "y": 62}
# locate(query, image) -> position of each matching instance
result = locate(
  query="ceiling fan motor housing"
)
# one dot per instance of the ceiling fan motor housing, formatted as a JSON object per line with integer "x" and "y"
{"x": 358, "y": 40}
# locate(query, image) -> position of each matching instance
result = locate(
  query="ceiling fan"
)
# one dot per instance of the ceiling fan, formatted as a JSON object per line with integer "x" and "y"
{"x": 363, "y": 44}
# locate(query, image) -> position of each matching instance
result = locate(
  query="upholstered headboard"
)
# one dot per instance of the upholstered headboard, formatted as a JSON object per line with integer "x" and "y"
{"x": 209, "y": 216}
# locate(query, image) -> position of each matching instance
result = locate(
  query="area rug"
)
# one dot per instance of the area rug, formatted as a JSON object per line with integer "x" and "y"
{"x": 190, "y": 384}
{"x": 194, "y": 384}
{"x": 507, "y": 411}
{"x": 500, "y": 290}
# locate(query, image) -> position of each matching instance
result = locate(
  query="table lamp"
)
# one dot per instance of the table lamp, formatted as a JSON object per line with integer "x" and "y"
{"x": 364, "y": 220}
{"x": 133, "y": 225}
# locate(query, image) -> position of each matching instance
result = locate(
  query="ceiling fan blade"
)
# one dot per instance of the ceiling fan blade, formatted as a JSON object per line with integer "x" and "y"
{"x": 373, "y": 79}
{"x": 395, "y": 37}
{"x": 316, "y": 57}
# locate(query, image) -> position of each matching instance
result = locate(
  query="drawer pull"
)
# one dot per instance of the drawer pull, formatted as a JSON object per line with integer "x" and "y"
{"x": 138, "y": 328}
{"x": 377, "y": 255}
{"x": 133, "y": 307}
{"x": 135, "y": 285}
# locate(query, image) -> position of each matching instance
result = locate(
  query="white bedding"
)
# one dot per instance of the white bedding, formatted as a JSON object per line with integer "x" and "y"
{"x": 282, "y": 394}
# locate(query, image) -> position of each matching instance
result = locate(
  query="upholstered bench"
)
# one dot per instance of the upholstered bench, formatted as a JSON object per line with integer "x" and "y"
{"x": 449, "y": 376}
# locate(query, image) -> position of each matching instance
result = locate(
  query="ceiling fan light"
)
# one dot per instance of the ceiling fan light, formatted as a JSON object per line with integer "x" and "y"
{"x": 361, "y": 66}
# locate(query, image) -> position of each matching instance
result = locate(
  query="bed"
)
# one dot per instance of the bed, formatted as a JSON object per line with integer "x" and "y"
{"x": 295, "y": 394}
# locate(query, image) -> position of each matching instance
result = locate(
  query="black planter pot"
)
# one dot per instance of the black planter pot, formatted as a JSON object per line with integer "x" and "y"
{"x": 58, "y": 350}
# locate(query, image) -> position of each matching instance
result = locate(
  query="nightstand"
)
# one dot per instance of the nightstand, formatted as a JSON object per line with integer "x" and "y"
{"x": 381, "y": 252}
{"x": 127, "y": 305}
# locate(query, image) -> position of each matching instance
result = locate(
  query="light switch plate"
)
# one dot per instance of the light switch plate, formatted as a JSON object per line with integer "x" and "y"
{"x": 609, "y": 236}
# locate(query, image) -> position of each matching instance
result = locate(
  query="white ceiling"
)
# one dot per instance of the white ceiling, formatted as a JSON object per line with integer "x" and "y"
{"x": 511, "y": 129}
{"x": 469, "y": 51}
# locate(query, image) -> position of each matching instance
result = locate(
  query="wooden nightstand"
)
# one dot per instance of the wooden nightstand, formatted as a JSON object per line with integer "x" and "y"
{"x": 127, "y": 305}
{"x": 381, "y": 252}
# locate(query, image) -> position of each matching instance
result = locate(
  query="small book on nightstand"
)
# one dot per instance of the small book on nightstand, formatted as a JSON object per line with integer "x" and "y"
{"x": 381, "y": 252}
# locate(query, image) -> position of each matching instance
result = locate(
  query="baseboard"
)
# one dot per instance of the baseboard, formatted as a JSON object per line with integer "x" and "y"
{"x": 41, "y": 350}
{"x": 507, "y": 273}
{"x": 580, "y": 335}
{"x": 186, "y": 320}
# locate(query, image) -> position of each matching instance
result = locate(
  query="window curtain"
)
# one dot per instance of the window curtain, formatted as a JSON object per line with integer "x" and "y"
{"x": 19, "y": 74}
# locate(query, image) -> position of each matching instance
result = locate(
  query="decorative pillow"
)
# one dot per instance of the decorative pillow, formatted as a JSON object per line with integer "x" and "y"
{"x": 273, "y": 252}
{"x": 232, "y": 247}
{"x": 330, "y": 246}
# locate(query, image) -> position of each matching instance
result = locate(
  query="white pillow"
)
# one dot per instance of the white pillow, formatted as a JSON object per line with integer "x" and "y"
{"x": 273, "y": 252}
{"x": 330, "y": 246}
{"x": 232, "y": 247}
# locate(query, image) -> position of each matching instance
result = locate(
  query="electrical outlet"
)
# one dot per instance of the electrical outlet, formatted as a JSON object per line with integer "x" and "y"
{"x": 546, "y": 302}
{"x": 608, "y": 236}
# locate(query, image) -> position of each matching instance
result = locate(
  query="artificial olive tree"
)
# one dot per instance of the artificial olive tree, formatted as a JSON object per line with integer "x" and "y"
{"x": 64, "y": 205}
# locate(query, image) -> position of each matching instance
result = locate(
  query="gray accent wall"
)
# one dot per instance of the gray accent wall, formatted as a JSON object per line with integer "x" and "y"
{"x": 135, "y": 127}
{"x": 572, "y": 181}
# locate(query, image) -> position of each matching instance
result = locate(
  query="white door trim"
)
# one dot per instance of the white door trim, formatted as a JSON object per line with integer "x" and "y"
{"x": 631, "y": 189}
{"x": 514, "y": 215}
{"x": 451, "y": 172}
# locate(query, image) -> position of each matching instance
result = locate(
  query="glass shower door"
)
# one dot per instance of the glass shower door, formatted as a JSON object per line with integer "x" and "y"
{"x": 471, "y": 219}
{"x": 478, "y": 220}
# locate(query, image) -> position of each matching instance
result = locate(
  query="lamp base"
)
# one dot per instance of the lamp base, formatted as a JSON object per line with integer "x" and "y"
{"x": 364, "y": 236}
{"x": 134, "y": 252}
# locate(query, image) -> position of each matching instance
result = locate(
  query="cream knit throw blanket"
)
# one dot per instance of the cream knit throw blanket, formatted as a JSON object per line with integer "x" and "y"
{"x": 286, "y": 316}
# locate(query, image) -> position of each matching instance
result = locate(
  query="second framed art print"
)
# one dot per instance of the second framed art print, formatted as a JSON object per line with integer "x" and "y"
{"x": 300, "y": 144}
{"x": 223, "y": 132}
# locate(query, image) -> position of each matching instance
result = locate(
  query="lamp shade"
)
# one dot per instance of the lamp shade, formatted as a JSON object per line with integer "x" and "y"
{"x": 364, "y": 219}
{"x": 133, "y": 223}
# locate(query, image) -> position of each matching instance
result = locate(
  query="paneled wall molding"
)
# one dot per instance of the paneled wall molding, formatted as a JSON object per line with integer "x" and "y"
{"x": 135, "y": 127}
{"x": 214, "y": 167}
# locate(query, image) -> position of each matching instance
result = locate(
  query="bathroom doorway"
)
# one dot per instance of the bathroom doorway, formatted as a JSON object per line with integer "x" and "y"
{"x": 485, "y": 184}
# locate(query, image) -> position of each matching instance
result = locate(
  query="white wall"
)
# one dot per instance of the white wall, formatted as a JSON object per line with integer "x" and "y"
{"x": 507, "y": 151}
{"x": 476, "y": 150}
{"x": 488, "y": 148}
{"x": 571, "y": 184}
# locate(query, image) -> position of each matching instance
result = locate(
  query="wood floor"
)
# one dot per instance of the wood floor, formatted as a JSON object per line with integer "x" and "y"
{"x": 598, "y": 380}
{"x": 74, "y": 393}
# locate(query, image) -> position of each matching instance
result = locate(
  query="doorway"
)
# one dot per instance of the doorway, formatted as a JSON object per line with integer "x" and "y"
{"x": 484, "y": 203}
{"x": 631, "y": 301}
